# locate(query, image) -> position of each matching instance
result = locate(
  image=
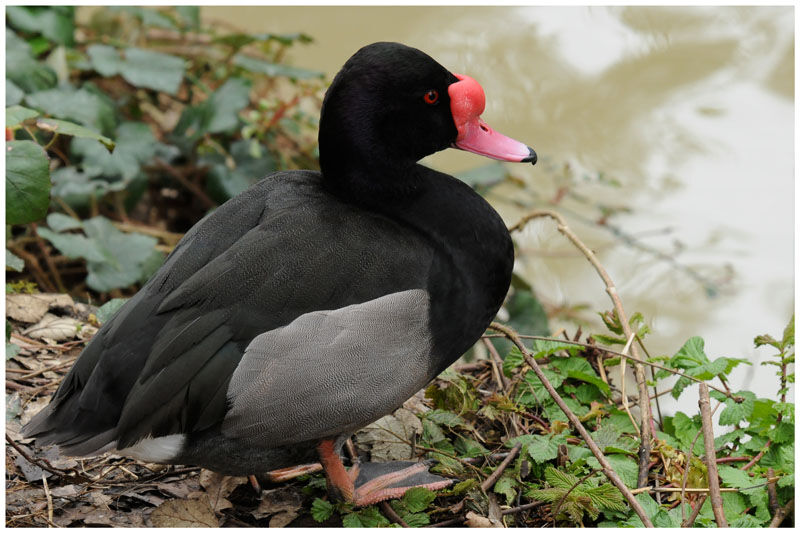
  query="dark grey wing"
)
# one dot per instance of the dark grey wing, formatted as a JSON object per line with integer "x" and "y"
{"x": 163, "y": 364}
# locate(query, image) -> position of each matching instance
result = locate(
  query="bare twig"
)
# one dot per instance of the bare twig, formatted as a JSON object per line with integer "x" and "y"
{"x": 391, "y": 515}
{"x": 711, "y": 456}
{"x": 520, "y": 508}
{"x": 490, "y": 481}
{"x": 497, "y": 364}
{"x": 451, "y": 522}
{"x": 758, "y": 456}
{"x": 645, "y": 445}
{"x": 782, "y": 513}
{"x": 772, "y": 493}
{"x": 607, "y": 469}
{"x": 43, "y": 463}
{"x": 49, "y": 499}
{"x": 188, "y": 184}
{"x": 689, "y": 465}
{"x": 696, "y": 511}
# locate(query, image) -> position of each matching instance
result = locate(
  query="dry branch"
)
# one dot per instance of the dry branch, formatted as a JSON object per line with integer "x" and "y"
{"x": 607, "y": 469}
{"x": 645, "y": 445}
{"x": 711, "y": 457}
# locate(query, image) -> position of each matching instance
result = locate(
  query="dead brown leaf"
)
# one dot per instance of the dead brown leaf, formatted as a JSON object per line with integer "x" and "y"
{"x": 283, "y": 504}
{"x": 30, "y": 308}
{"x": 476, "y": 520}
{"x": 218, "y": 487}
{"x": 184, "y": 513}
{"x": 55, "y": 328}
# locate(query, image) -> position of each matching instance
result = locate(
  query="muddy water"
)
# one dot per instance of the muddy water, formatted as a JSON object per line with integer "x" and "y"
{"x": 689, "y": 111}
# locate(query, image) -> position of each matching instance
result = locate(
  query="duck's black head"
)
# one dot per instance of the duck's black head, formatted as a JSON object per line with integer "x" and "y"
{"x": 391, "y": 105}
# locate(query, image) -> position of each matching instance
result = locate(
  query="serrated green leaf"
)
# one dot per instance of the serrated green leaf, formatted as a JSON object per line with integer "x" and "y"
{"x": 543, "y": 348}
{"x": 13, "y": 262}
{"x": 321, "y": 510}
{"x": 16, "y": 115}
{"x": 626, "y": 467}
{"x": 531, "y": 391}
{"x": 469, "y": 448}
{"x": 352, "y": 520}
{"x": 733, "y": 477}
{"x": 369, "y": 517}
{"x": 417, "y": 499}
{"x": 540, "y": 448}
{"x": 446, "y": 418}
{"x": 786, "y": 481}
{"x": 784, "y": 432}
{"x": 506, "y": 486}
{"x": 560, "y": 479}
{"x": 27, "y": 182}
{"x": 745, "y": 520}
{"x": 605, "y": 496}
{"x": 416, "y": 519}
{"x": 737, "y": 412}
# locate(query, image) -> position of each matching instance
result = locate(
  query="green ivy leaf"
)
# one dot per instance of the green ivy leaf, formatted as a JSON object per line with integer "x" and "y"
{"x": 224, "y": 183}
{"x": 13, "y": 262}
{"x": 54, "y": 22}
{"x": 82, "y": 105}
{"x": 153, "y": 70}
{"x": 483, "y": 177}
{"x": 321, "y": 510}
{"x": 16, "y": 115}
{"x": 22, "y": 69}
{"x": 14, "y": 95}
{"x": 114, "y": 259}
{"x": 64, "y": 127}
{"x": 259, "y": 66}
{"x": 27, "y": 182}
{"x": 109, "y": 309}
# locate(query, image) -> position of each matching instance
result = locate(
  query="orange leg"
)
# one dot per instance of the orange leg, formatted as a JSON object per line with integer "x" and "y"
{"x": 381, "y": 481}
{"x": 285, "y": 474}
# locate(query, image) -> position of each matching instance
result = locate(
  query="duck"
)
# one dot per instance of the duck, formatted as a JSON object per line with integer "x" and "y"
{"x": 314, "y": 302}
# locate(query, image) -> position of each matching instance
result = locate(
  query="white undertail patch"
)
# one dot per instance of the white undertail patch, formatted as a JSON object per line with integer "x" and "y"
{"x": 156, "y": 450}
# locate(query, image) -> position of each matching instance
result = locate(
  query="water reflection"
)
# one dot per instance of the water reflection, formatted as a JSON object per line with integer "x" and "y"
{"x": 690, "y": 110}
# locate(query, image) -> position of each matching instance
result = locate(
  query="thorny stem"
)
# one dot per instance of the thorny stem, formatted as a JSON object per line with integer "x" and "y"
{"x": 490, "y": 481}
{"x": 607, "y": 469}
{"x": 645, "y": 445}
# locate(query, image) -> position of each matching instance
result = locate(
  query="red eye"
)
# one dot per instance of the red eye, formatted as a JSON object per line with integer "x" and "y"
{"x": 431, "y": 97}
